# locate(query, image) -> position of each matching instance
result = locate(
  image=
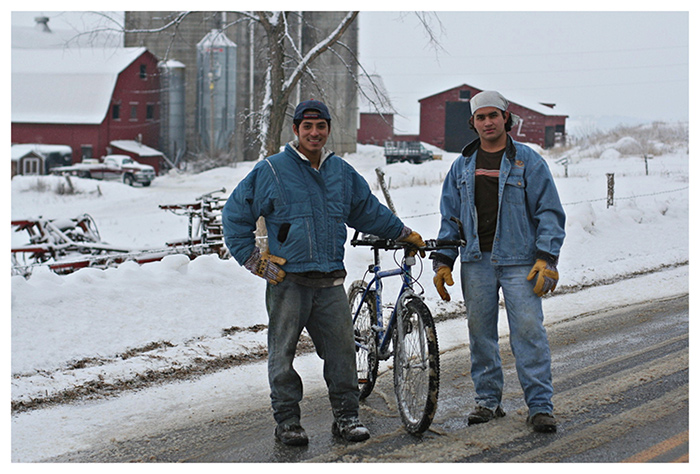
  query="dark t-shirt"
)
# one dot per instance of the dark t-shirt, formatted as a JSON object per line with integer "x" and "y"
{"x": 486, "y": 195}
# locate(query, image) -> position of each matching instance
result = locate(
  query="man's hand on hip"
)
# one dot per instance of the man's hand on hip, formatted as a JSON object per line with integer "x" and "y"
{"x": 266, "y": 266}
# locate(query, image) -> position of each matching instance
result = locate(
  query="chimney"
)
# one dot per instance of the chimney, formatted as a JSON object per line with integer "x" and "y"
{"x": 42, "y": 23}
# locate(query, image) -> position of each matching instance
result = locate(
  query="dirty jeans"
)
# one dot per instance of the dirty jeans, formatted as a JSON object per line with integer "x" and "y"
{"x": 481, "y": 282}
{"x": 325, "y": 314}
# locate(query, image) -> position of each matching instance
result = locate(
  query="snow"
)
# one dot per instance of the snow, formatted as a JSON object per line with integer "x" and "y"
{"x": 112, "y": 325}
{"x": 66, "y": 85}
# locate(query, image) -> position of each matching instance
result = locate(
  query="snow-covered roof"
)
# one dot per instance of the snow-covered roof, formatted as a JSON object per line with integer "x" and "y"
{"x": 66, "y": 85}
{"x": 21, "y": 149}
{"x": 372, "y": 96}
{"x": 132, "y": 146}
{"x": 528, "y": 103}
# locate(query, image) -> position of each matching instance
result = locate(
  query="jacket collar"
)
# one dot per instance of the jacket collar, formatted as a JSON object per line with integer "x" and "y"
{"x": 294, "y": 145}
{"x": 470, "y": 149}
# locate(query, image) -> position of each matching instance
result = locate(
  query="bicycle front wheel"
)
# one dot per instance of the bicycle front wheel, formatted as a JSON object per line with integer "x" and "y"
{"x": 363, "y": 309}
{"x": 416, "y": 366}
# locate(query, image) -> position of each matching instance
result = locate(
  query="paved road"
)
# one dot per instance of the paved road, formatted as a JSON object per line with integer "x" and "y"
{"x": 621, "y": 395}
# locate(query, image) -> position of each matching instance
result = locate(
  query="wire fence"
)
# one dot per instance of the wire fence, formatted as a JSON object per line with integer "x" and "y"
{"x": 658, "y": 193}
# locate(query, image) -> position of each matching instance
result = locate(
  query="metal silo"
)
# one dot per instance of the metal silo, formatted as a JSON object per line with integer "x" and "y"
{"x": 172, "y": 75}
{"x": 216, "y": 91}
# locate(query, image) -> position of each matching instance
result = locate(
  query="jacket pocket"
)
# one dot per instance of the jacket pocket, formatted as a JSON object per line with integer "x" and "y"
{"x": 514, "y": 190}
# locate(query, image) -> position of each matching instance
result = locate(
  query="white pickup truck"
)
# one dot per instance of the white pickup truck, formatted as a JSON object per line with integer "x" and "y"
{"x": 112, "y": 167}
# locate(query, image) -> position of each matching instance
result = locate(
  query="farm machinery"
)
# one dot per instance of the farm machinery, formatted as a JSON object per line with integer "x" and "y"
{"x": 66, "y": 245}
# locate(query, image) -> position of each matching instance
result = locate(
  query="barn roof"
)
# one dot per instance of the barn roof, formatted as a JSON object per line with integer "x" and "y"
{"x": 66, "y": 85}
{"x": 527, "y": 103}
{"x": 372, "y": 95}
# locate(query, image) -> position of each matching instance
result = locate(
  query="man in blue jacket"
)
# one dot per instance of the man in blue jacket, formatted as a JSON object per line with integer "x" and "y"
{"x": 307, "y": 196}
{"x": 504, "y": 195}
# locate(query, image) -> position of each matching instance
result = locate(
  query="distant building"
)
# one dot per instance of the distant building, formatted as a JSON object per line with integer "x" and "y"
{"x": 444, "y": 120}
{"x": 376, "y": 112}
{"x": 141, "y": 153}
{"x": 85, "y": 98}
{"x": 38, "y": 159}
{"x": 329, "y": 79}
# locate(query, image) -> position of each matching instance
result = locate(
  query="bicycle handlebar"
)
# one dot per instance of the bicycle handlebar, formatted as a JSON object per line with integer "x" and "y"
{"x": 388, "y": 244}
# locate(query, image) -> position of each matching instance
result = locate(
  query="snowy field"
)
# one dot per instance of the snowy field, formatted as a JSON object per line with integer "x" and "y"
{"x": 116, "y": 326}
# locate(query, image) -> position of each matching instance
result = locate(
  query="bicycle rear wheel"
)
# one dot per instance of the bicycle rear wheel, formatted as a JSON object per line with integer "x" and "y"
{"x": 416, "y": 366}
{"x": 364, "y": 313}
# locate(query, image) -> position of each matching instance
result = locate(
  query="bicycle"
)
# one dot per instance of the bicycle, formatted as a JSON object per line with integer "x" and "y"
{"x": 410, "y": 329}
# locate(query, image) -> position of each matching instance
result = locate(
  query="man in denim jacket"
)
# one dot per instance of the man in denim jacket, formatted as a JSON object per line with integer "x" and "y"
{"x": 504, "y": 194}
{"x": 307, "y": 196}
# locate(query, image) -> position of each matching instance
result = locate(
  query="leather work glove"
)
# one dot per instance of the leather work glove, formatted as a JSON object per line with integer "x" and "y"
{"x": 547, "y": 276}
{"x": 413, "y": 238}
{"x": 443, "y": 275}
{"x": 266, "y": 266}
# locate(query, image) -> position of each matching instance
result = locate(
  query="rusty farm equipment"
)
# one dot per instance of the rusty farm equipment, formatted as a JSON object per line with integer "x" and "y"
{"x": 66, "y": 245}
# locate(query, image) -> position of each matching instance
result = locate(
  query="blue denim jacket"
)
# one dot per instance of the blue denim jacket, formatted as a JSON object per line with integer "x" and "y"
{"x": 306, "y": 211}
{"x": 530, "y": 221}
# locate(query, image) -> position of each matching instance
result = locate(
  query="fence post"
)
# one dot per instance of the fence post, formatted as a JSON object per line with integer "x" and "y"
{"x": 611, "y": 188}
{"x": 385, "y": 189}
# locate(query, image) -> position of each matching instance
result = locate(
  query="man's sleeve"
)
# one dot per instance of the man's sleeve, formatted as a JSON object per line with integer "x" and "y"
{"x": 239, "y": 217}
{"x": 367, "y": 214}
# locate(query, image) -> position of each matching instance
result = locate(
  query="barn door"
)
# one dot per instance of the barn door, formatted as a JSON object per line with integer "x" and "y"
{"x": 457, "y": 131}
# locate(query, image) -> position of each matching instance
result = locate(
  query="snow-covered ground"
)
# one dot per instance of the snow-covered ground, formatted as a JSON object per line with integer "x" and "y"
{"x": 126, "y": 324}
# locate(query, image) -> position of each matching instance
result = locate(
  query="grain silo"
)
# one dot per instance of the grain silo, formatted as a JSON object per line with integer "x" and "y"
{"x": 216, "y": 92}
{"x": 172, "y": 130}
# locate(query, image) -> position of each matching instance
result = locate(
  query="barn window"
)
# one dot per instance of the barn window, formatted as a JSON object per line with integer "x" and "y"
{"x": 142, "y": 72}
{"x": 134, "y": 111}
{"x": 86, "y": 151}
{"x": 465, "y": 95}
{"x": 116, "y": 111}
{"x": 150, "y": 111}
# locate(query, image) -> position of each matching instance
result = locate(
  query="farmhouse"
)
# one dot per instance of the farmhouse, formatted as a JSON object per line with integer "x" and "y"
{"x": 85, "y": 98}
{"x": 444, "y": 120}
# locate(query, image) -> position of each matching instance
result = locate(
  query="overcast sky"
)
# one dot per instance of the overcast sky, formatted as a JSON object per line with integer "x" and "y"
{"x": 633, "y": 64}
{"x": 596, "y": 63}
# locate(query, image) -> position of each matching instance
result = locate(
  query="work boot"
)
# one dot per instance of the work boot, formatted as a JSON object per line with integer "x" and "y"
{"x": 543, "y": 423}
{"x": 291, "y": 433}
{"x": 482, "y": 415}
{"x": 350, "y": 429}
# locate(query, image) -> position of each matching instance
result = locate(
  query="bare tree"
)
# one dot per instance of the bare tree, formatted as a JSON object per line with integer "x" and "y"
{"x": 286, "y": 61}
{"x": 279, "y": 83}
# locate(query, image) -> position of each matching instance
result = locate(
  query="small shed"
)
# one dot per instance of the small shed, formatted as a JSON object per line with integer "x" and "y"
{"x": 444, "y": 120}
{"x": 38, "y": 159}
{"x": 141, "y": 153}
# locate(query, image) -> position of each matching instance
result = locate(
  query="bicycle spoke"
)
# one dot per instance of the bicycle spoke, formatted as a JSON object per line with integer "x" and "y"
{"x": 365, "y": 317}
{"x": 416, "y": 367}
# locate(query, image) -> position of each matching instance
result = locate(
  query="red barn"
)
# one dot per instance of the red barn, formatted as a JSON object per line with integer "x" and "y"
{"x": 444, "y": 121}
{"x": 85, "y": 98}
{"x": 376, "y": 112}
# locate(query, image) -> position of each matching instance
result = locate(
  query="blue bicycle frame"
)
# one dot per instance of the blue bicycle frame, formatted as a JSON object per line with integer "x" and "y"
{"x": 375, "y": 284}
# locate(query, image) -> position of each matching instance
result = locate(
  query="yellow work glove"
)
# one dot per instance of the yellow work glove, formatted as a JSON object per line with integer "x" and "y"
{"x": 443, "y": 276}
{"x": 416, "y": 240}
{"x": 266, "y": 266}
{"x": 547, "y": 277}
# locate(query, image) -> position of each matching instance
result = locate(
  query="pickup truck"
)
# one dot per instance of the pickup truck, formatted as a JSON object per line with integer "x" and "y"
{"x": 112, "y": 167}
{"x": 413, "y": 152}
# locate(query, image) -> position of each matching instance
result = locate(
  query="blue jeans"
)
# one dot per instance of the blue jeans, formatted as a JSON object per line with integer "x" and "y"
{"x": 481, "y": 282}
{"x": 325, "y": 314}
